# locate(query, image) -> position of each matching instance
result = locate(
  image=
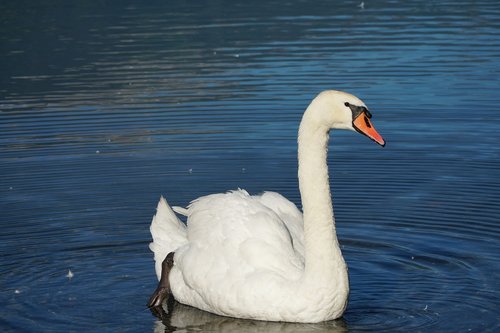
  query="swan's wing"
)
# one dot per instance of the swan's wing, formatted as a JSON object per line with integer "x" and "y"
{"x": 289, "y": 214}
{"x": 237, "y": 245}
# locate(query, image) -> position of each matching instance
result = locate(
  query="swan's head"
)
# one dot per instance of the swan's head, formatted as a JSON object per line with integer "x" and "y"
{"x": 337, "y": 109}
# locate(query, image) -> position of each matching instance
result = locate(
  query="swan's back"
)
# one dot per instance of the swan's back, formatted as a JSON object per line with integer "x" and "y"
{"x": 239, "y": 249}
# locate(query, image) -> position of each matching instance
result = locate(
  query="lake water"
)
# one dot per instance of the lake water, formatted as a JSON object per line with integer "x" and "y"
{"x": 106, "y": 105}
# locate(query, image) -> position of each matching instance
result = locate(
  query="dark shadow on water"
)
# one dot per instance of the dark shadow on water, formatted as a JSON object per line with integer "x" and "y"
{"x": 182, "y": 318}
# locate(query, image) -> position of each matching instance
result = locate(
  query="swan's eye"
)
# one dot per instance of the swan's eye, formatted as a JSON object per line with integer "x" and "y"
{"x": 347, "y": 104}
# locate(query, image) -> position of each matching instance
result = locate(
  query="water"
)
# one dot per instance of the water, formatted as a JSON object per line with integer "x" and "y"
{"x": 105, "y": 106}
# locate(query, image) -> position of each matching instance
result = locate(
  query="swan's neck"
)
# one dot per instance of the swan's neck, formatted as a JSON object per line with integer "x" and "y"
{"x": 323, "y": 259}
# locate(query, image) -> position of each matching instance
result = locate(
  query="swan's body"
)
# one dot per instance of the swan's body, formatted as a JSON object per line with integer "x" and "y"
{"x": 259, "y": 257}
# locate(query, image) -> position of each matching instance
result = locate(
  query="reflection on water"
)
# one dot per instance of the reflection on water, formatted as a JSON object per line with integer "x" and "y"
{"x": 106, "y": 106}
{"x": 184, "y": 318}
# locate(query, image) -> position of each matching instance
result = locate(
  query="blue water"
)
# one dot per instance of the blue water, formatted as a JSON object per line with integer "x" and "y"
{"x": 105, "y": 106}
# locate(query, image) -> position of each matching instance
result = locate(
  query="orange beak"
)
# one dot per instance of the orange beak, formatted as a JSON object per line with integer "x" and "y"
{"x": 363, "y": 125}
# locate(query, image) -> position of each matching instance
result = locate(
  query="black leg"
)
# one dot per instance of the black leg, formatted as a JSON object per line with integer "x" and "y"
{"x": 163, "y": 291}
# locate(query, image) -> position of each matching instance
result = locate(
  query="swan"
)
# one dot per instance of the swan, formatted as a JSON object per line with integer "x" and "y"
{"x": 258, "y": 256}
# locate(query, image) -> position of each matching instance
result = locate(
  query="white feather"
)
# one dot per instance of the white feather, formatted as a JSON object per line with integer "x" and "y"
{"x": 168, "y": 232}
{"x": 180, "y": 210}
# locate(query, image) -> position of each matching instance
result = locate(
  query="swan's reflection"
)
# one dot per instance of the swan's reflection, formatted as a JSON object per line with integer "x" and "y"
{"x": 182, "y": 318}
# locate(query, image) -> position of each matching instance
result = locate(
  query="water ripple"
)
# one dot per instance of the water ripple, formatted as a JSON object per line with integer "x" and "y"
{"x": 105, "y": 107}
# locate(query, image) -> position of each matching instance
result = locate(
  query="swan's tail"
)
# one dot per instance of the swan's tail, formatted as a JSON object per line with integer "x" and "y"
{"x": 168, "y": 232}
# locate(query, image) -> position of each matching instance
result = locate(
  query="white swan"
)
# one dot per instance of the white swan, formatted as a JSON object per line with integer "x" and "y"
{"x": 259, "y": 257}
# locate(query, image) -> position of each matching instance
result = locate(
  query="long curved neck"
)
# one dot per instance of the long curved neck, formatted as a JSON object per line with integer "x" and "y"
{"x": 323, "y": 258}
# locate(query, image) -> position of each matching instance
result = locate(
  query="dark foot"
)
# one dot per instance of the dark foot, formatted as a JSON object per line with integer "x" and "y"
{"x": 163, "y": 291}
{"x": 164, "y": 312}
{"x": 159, "y": 295}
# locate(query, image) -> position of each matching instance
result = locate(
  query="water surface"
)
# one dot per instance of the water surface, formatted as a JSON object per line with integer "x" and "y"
{"x": 105, "y": 106}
